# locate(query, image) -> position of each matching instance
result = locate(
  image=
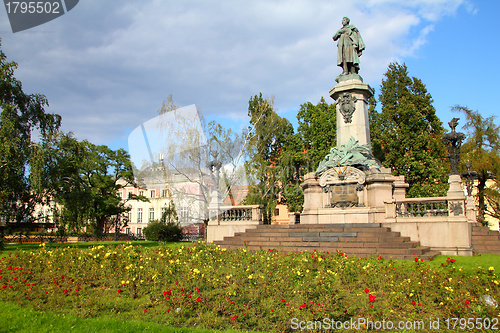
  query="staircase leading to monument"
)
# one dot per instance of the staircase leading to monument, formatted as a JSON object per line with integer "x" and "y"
{"x": 485, "y": 240}
{"x": 359, "y": 239}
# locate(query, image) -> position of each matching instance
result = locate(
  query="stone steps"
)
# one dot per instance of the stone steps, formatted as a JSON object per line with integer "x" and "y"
{"x": 360, "y": 239}
{"x": 485, "y": 240}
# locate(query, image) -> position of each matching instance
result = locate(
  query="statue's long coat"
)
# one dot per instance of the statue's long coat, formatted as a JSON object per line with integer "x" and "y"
{"x": 349, "y": 46}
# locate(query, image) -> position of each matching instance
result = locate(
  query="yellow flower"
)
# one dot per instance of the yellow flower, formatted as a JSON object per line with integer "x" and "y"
{"x": 491, "y": 268}
{"x": 250, "y": 276}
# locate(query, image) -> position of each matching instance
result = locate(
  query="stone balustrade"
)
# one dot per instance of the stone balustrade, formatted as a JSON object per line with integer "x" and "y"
{"x": 425, "y": 207}
{"x": 225, "y": 221}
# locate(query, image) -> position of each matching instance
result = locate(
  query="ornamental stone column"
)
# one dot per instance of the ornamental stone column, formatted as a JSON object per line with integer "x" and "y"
{"x": 352, "y": 96}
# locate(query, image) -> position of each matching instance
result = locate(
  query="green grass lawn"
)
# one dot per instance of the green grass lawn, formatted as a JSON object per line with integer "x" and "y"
{"x": 22, "y": 319}
{"x": 85, "y": 245}
{"x": 477, "y": 261}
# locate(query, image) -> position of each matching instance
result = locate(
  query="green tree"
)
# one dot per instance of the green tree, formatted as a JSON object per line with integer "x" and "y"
{"x": 170, "y": 214}
{"x": 22, "y": 116}
{"x": 83, "y": 180}
{"x": 482, "y": 149}
{"x": 266, "y": 143}
{"x": 105, "y": 171}
{"x": 407, "y": 134}
{"x": 317, "y": 130}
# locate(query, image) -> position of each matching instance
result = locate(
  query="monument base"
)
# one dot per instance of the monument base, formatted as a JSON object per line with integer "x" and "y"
{"x": 329, "y": 198}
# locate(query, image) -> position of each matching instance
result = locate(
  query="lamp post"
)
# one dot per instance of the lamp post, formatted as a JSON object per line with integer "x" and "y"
{"x": 453, "y": 141}
{"x": 214, "y": 207}
{"x": 469, "y": 178}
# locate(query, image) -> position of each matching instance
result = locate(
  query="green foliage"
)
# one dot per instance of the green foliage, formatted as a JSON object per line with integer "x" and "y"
{"x": 266, "y": 143}
{"x": 406, "y": 135}
{"x": 21, "y": 115}
{"x": 170, "y": 214}
{"x": 317, "y": 130}
{"x": 84, "y": 179}
{"x": 218, "y": 289}
{"x": 160, "y": 232}
{"x": 482, "y": 149}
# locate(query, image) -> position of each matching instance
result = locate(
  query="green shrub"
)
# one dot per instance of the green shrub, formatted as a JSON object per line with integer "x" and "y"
{"x": 159, "y": 232}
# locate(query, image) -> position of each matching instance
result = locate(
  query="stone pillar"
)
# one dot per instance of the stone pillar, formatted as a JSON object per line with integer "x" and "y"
{"x": 312, "y": 193}
{"x": 352, "y": 111}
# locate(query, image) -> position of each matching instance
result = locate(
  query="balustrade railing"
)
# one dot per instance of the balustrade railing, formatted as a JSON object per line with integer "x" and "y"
{"x": 425, "y": 207}
{"x": 422, "y": 209}
{"x": 237, "y": 214}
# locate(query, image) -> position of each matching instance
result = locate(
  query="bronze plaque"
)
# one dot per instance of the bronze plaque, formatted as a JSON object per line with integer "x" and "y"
{"x": 343, "y": 195}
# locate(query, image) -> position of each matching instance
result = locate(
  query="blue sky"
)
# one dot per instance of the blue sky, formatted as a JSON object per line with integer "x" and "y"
{"x": 106, "y": 66}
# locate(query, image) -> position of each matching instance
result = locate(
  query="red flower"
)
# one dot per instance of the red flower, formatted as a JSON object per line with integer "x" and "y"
{"x": 168, "y": 310}
{"x": 452, "y": 260}
{"x": 234, "y": 318}
{"x": 119, "y": 290}
{"x": 416, "y": 259}
{"x": 46, "y": 292}
{"x": 198, "y": 299}
{"x": 413, "y": 302}
{"x": 302, "y": 306}
{"x": 197, "y": 290}
{"x": 62, "y": 276}
{"x": 467, "y": 303}
{"x": 372, "y": 298}
{"x": 283, "y": 300}
{"x": 65, "y": 291}
{"x": 145, "y": 310}
{"x": 366, "y": 290}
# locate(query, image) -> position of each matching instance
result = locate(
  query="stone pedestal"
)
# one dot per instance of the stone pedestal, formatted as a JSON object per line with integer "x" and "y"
{"x": 455, "y": 190}
{"x": 329, "y": 198}
{"x": 352, "y": 111}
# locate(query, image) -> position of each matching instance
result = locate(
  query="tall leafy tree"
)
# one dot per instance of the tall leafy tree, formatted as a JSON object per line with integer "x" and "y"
{"x": 482, "y": 149}
{"x": 22, "y": 115}
{"x": 84, "y": 180}
{"x": 266, "y": 143}
{"x": 317, "y": 129}
{"x": 104, "y": 171}
{"x": 407, "y": 134}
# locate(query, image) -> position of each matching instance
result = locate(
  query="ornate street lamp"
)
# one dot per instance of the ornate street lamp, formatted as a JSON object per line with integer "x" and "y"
{"x": 469, "y": 177}
{"x": 453, "y": 141}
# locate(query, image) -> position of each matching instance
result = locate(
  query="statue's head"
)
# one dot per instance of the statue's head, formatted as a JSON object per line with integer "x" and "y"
{"x": 345, "y": 20}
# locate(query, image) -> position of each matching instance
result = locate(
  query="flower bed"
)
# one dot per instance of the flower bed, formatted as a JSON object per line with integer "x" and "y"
{"x": 205, "y": 286}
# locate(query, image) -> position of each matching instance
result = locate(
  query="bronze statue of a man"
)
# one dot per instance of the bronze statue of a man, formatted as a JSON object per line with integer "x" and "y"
{"x": 350, "y": 47}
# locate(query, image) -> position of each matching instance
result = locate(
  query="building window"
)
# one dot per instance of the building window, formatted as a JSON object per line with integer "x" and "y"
{"x": 139, "y": 215}
{"x": 127, "y": 231}
{"x": 277, "y": 212}
{"x": 129, "y": 217}
{"x": 139, "y": 231}
{"x": 164, "y": 193}
{"x": 141, "y": 192}
{"x": 151, "y": 214}
{"x": 129, "y": 195}
{"x": 184, "y": 215}
{"x": 152, "y": 193}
